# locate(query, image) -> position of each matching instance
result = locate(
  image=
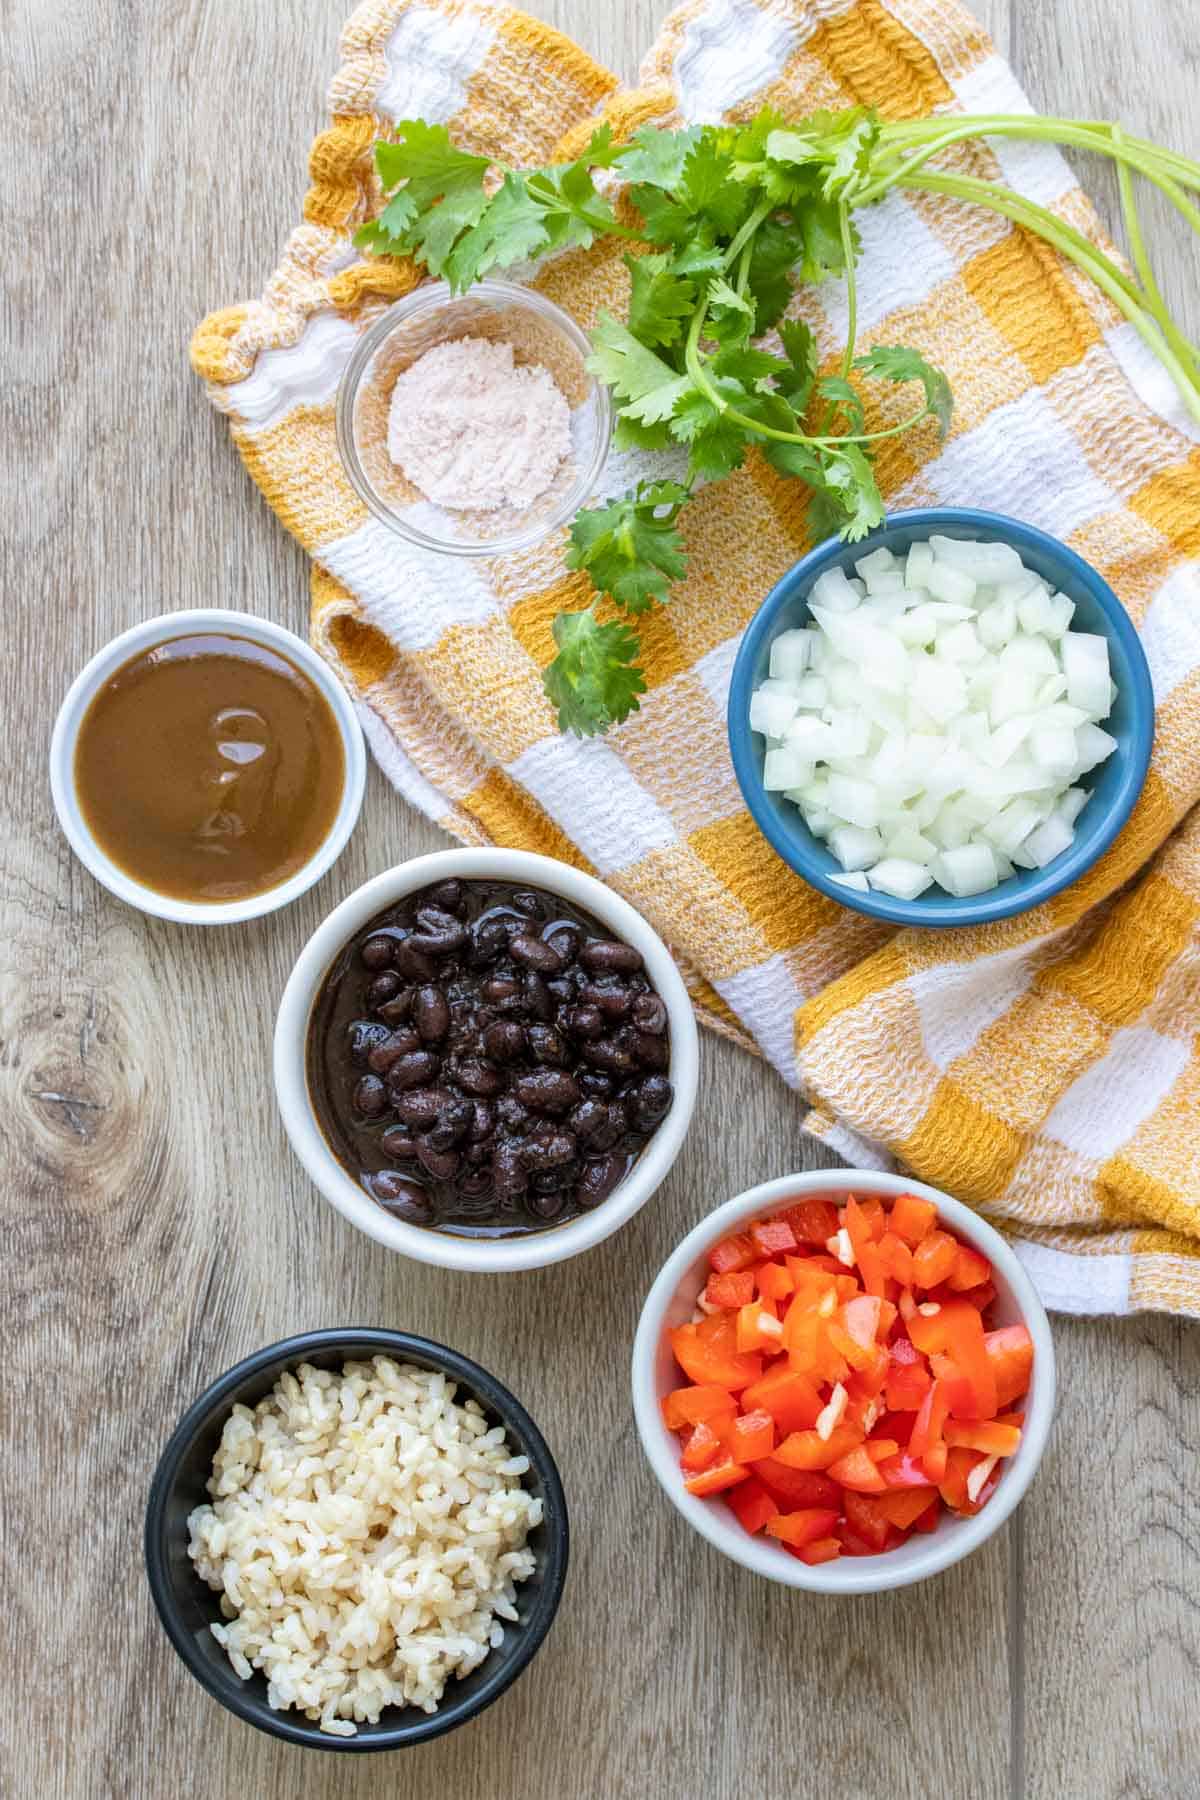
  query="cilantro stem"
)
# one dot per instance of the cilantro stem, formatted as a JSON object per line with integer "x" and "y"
{"x": 745, "y": 232}
{"x": 848, "y": 255}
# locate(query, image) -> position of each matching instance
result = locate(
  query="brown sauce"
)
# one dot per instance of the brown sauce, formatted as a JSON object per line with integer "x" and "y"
{"x": 209, "y": 768}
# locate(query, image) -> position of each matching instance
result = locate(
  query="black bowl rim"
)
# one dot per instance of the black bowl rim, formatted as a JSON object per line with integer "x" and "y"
{"x": 484, "y": 1387}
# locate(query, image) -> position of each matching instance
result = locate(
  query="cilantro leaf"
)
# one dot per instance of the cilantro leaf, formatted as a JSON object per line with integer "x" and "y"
{"x": 705, "y": 187}
{"x": 845, "y": 398}
{"x": 774, "y": 251}
{"x": 849, "y": 481}
{"x": 594, "y": 680}
{"x": 665, "y": 221}
{"x": 631, "y": 434}
{"x": 630, "y": 547}
{"x": 512, "y": 229}
{"x": 801, "y": 348}
{"x": 442, "y": 194}
{"x": 716, "y": 451}
{"x": 657, "y": 157}
{"x": 659, "y": 299}
{"x": 747, "y": 365}
{"x": 648, "y": 387}
{"x": 894, "y": 362}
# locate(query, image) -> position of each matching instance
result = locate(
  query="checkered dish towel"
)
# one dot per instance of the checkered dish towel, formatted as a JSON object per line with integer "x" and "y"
{"x": 1045, "y": 1068}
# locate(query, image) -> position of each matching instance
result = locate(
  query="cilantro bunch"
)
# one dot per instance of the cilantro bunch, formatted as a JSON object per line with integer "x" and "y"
{"x": 724, "y": 221}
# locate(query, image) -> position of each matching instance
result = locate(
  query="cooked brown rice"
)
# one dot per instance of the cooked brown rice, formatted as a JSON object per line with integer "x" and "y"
{"x": 365, "y": 1534}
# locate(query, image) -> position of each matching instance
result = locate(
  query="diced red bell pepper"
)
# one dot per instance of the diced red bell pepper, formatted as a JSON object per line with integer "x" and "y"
{"x": 879, "y": 1449}
{"x": 711, "y": 1361}
{"x": 971, "y": 1269}
{"x": 992, "y": 1438}
{"x": 1011, "y": 1418}
{"x": 927, "y": 1445}
{"x": 759, "y": 1327}
{"x": 751, "y": 1436}
{"x": 912, "y": 1218}
{"x": 853, "y": 1544}
{"x": 934, "y": 1259}
{"x": 701, "y": 1448}
{"x": 730, "y": 1290}
{"x": 908, "y": 1380}
{"x": 713, "y": 1480}
{"x": 796, "y": 1487}
{"x": 967, "y": 1349}
{"x": 934, "y": 1460}
{"x": 736, "y": 1252}
{"x": 896, "y": 1257}
{"x": 928, "y": 1520}
{"x": 953, "y": 1483}
{"x": 959, "y": 1397}
{"x": 688, "y": 1405}
{"x": 773, "y": 1237}
{"x": 792, "y": 1400}
{"x": 902, "y": 1507}
{"x": 813, "y": 1221}
{"x": 875, "y": 1213}
{"x": 903, "y": 1471}
{"x": 1010, "y": 1352}
{"x": 856, "y": 1470}
{"x": 807, "y": 1450}
{"x": 774, "y": 1281}
{"x": 822, "y": 1550}
{"x": 804, "y": 1527}
{"x": 861, "y": 1318}
{"x": 752, "y": 1505}
{"x": 864, "y": 1518}
{"x": 896, "y": 1425}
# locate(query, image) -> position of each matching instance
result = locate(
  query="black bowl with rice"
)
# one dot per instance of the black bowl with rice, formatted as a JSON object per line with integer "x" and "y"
{"x": 416, "y": 1556}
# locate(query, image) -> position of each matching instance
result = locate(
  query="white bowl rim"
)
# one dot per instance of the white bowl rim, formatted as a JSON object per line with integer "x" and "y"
{"x": 492, "y": 1255}
{"x": 919, "y": 1558}
{"x": 106, "y": 662}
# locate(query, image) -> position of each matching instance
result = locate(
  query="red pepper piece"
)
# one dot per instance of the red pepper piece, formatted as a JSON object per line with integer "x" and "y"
{"x": 813, "y": 1221}
{"x": 852, "y": 1544}
{"x": 711, "y": 1361}
{"x": 879, "y": 1449}
{"x": 792, "y": 1400}
{"x": 752, "y": 1505}
{"x": 896, "y": 1425}
{"x": 897, "y": 1258}
{"x": 758, "y": 1327}
{"x": 806, "y": 1450}
{"x": 992, "y": 1438}
{"x": 774, "y": 1281}
{"x": 688, "y": 1405}
{"x": 804, "y": 1527}
{"x": 701, "y": 1447}
{"x": 903, "y": 1471}
{"x": 971, "y": 1269}
{"x": 953, "y": 1484}
{"x": 967, "y": 1349}
{"x": 736, "y": 1252}
{"x": 904, "y": 1506}
{"x": 822, "y": 1550}
{"x": 752, "y": 1435}
{"x": 927, "y": 1439}
{"x": 1010, "y": 1352}
{"x": 928, "y": 1520}
{"x": 908, "y": 1381}
{"x": 714, "y": 1480}
{"x": 934, "y": 1259}
{"x": 796, "y": 1487}
{"x": 856, "y": 1470}
{"x": 731, "y": 1290}
{"x": 864, "y": 1518}
{"x": 773, "y": 1237}
{"x": 912, "y": 1218}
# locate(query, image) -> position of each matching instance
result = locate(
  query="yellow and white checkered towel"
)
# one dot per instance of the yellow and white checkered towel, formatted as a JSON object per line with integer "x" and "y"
{"x": 1046, "y": 1068}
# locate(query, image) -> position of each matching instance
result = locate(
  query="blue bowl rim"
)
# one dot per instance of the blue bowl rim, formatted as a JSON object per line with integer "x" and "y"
{"x": 1042, "y": 884}
{"x": 291, "y": 1726}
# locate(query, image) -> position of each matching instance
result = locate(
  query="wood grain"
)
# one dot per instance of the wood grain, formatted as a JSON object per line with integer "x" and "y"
{"x": 158, "y": 1227}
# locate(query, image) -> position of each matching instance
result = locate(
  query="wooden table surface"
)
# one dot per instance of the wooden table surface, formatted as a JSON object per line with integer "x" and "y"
{"x": 159, "y": 1228}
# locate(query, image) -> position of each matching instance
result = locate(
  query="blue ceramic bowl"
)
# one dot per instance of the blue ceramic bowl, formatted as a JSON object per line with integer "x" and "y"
{"x": 1114, "y": 786}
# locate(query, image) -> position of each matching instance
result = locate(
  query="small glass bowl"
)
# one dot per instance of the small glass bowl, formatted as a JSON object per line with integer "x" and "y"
{"x": 539, "y": 332}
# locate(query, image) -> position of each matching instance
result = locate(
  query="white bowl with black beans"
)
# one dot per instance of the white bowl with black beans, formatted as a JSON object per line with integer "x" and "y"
{"x": 486, "y": 1059}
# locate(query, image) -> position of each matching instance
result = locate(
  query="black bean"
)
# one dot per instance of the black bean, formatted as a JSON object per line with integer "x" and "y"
{"x": 548, "y": 1150}
{"x": 363, "y": 1035}
{"x": 563, "y": 987}
{"x": 370, "y": 1096}
{"x": 421, "y": 1106}
{"x": 483, "y": 1121}
{"x": 415, "y": 1069}
{"x": 612, "y": 997}
{"x": 376, "y": 953}
{"x": 431, "y": 1014}
{"x": 508, "y": 1171}
{"x": 547, "y": 1045}
{"x": 549, "y": 1181}
{"x": 538, "y": 997}
{"x": 535, "y": 953}
{"x": 582, "y": 1021}
{"x": 529, "y": 903}
{"x": 595, "y": 1082}
{"x": 412, "y": 961}
{"x": 478, "y": 1155}
{"x": 440, "y": 932}
{"x": 599, "y": 1178}
{"x": 488, "y": 941}
{"x": 605, "y": 956}
{"x": 594, "y": 1125}
{"x": 402, "y": 1197}
{"x": 446, "y": 894}
{"x": 387, "y": 1053}
{"x": 547, "y": 1090}
{"x": 474, "y": 1186}
{"x": 651, "y": 1101}
{"x": 395, "y": 1012}
{"x": 607, "y": 1053}
{"x": 546, "y": 1206}
{"x": 441, "y": 1164}
{"x": 452, "y": 1124}
{"x": 504, "y": 1040}
{"x": 651, "y": 1052}
{"x": 498, "y": 988}
{"x": 476, "y": 1075}
{"x": 566, "y": 939}
{"x": 650, "y": 1014}
{"x": 382, "y": 988}
{"x": 398, "y": 1143}
{"x": 512, "y": 1115}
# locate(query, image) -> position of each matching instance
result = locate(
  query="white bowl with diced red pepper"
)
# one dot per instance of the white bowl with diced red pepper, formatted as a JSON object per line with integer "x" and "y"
{"x": 677, "y": 1297}
{"x": 944, "y": 725}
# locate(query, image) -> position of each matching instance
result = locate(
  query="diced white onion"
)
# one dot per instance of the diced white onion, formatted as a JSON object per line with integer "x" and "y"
{"x": 933, "y": 718}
